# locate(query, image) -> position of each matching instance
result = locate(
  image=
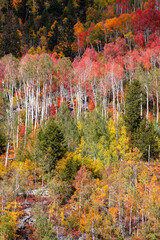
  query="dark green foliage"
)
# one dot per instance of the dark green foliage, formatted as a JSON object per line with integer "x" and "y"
{"x": 72, "y": 166}
{"x": 132, "y": 115}
{"x": 94, "y": 129}
{"x": 69, "y": 127}
{"x": 51, "y": 145}
{"x": 43, "y": 227}
{"x": 147, "y": 140}
{"x": 2, "y": 142}
{"x": 94, "y": 126}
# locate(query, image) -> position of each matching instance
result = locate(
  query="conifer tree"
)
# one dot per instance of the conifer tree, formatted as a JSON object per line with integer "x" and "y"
{"x": 132, "y": 115}
{"x": 51, "y": 145}
{"x": 147, "y": 141}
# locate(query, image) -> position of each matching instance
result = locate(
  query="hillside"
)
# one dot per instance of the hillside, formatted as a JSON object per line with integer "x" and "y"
{"x": 79, "y": 120}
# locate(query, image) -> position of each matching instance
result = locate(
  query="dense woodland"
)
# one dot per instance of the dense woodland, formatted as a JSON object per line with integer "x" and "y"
{"x": 79, "y": 119}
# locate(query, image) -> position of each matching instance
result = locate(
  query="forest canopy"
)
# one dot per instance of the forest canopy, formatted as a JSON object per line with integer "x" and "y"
{"x": 79, "y": 119}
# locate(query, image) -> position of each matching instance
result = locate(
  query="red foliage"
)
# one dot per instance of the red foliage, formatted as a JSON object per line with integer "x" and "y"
{"x": 52, "y": 110}
{"x": 146, "y": 21}
{"x": 91, "y": 104}
{"x": 139, "y": 40}
{"x": 81, "y": 178}
{"x": 91, "y": 53}
{"x": 21, "y": 131}
{"x": 152, "y": 4}
{"x": 123, "y": 6}
{"x": 112, "y": 50}
{"x": 75, "y": 234}
{"x": 59, "y": 101}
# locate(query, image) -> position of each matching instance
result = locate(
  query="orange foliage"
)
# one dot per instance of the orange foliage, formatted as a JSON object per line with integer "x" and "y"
{"x": 91, "y": 104}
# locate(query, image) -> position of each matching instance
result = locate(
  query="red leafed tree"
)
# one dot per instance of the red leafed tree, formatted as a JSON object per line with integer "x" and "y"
{"x": 81, "y": 179}
{"x": 52, "y": 110}
{"x": 139, "y": 40}
{"x": 91, "y": 104}
{"x": 112, "y": 50}
{"x": 122, "y": 6}
{"x": 146, "y": 22}
{"x": 21, "y": 131}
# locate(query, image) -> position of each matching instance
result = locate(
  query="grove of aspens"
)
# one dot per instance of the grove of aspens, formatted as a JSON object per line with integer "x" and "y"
{"x": 79, "y": 119}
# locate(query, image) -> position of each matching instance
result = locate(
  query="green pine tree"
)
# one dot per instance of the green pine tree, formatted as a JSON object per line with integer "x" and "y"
{"x": 146, "y": 140}
{"x": 51, "y": 145}
{"x": 69, "y": 126}
{"x": 132, "y": 114}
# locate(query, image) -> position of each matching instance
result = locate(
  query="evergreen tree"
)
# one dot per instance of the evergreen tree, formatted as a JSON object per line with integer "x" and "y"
{"x": 43, "y": 227}
{"x": 51, "y": 145}
{"x": 69, "y": 126}
{"x": 132, "y": 115}
{"x": 146, "y": 140}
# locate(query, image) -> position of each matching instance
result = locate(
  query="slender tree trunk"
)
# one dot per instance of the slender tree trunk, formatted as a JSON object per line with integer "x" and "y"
{"x": 113, "y": 92}
{"x": 7, "y": 151}
{"x": 149, "y": 153}
{"x": 157, "y": 107}
{"x": 147, "y": 114}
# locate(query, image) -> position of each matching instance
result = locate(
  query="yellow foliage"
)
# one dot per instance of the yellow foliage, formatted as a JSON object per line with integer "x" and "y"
{"x": 50, "y": 34}
{"x": 9, "y": 220}
{"x": 113, "y": 212}
{"x": 123, "y": 143}
{"x": 79, "y": 126}
{"x": 32, "y": 50}
{"x": 129, "y": 35}
{"x": 90, "y": 221}
{"x": 53, "y": 25}
{"x": 111, "y": 24}
{"x": 16, "y": 3}
{"x": 78, "y": 28}
{"x": 19, "y": 33}
{"x": 133, "y": 155}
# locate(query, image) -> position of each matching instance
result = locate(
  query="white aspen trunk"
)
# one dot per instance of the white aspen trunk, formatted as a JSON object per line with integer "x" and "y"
{"x": 26, "y": 122}
{"x": 72, "y": 103}
{"x": 43, "y": 104}
{"x": 147, "y": 102}
{"x": 46, "y": 102}
{"x": 113, "y": 92}
{"x": 32, "y": 102}
{"x": 38, "y": 103}
{"x": 149, "y": 153}
{"x": 93, "y": 238}
{"x": 118, "y": 105}
{"x": 36, "y": 113}
{"x": 7, "y": 150}
{"x": 77, "y": 102}
{"x": 122, "y": 93}
{"x": 157, "y": 107}
{"x": 153, "y": 105}
{"x": 18, "y": 120}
